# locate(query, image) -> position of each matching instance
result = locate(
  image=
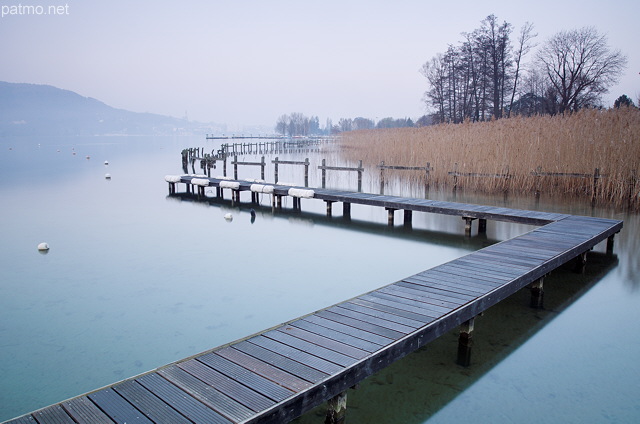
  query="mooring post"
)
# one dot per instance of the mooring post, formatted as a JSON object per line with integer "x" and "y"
{"x": 306, "y": 172}
{"x": 337, "y": 409}
{"x": 235, "y": 167}
{"x": 324, "y": 173}
{"x": 382, "y": 177}
{"x": 346, "y": 210}
{"x": 465, "y": 342}
{"x": 275, "y": 169}
{"x": 408, "y": 214}
{"x": 482, "y": 225}
{"x": 596, "y": 177}
{"x": 455, "y": 176}
{"x": 218, "y": 192}
{"x": 390, "y": 211}
{"x": 537, "y": 293}
{"x": 262, "y": 165}
{"x": 426, "y": 181}
{"x": 224, "y": 166}
{"x": 360, "y": 171}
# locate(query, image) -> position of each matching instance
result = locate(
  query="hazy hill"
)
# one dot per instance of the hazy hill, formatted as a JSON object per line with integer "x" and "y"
{"x": 30, "y": 109}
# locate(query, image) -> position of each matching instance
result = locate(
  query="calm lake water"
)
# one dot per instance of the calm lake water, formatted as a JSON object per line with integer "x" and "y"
{"x": 136, "y": 278}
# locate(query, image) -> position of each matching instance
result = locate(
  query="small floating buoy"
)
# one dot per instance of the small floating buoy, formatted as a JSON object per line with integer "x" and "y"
{"x": 43, "y": 247}
{"x": 58, "y": 150}
{"x": 74, "y": 153}
{"x": 228, "y": 217}
{"x": 106, "y": 162}
{"x": 107, "y": 176}
{"x": 88, "y": 157}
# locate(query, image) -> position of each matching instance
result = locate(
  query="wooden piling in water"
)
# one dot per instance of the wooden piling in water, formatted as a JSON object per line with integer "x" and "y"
{"x": 537, "y": 294}
{"x": 336, "y": 409}
{"x": 465, "y": 343}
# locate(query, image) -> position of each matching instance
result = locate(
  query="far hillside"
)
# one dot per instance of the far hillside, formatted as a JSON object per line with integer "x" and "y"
{"x": 43, "y": 110}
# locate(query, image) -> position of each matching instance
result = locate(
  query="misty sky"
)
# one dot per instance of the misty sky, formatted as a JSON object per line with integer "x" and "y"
{"x": 248, "y": 62}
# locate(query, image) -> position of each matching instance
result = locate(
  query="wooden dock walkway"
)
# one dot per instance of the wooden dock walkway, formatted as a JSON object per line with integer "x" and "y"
{"x": 277, "y": 375}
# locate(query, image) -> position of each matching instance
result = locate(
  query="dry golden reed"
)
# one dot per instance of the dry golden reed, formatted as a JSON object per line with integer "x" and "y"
{"x": 572, "y": 144}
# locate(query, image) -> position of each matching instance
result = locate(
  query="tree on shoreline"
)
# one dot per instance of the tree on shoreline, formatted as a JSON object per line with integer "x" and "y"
{"x": 580, "y": 67}
{"x": 485, "y": 78}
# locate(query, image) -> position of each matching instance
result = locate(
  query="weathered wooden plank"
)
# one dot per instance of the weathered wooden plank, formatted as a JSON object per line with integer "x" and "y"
{"x": 118, "y": 409}
{"x": 242, "y": 375}
{"x": 268, "y": 371}
{"x": 370, "y": 319}
{"x": 149, "y": 404}
{"x": 387, "y": 316}
{"x": 238, "y": 391}
{"x": 180, "y": 400}
{"x": 384, "y": 306}
{"x": 25, "y": 419}
{"x": 429, "y": 295}
{"x": 83, "y": 411}
{"x": 362, "y": 325}
{"x": 399, "y": 290}
{"x": 324, "y": 341}
{"x": 347, "y": 329}
{"x": 347, "y": 339}
{"x": 296, "y": 368}
{"x": 310, "y": 348}
{"x": 54, "y": 414}
{"x": 416, "y": 306}
{"x": 214, "y": 399}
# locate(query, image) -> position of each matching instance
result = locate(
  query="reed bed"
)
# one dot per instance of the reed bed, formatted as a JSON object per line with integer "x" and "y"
{"x": 608, "y": 140}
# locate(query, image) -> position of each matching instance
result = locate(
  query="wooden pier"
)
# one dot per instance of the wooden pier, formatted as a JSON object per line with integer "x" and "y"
{"x": 280, "y": 373}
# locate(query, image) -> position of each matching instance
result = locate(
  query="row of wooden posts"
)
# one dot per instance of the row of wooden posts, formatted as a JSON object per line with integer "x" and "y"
{"x": 382, "y": 167}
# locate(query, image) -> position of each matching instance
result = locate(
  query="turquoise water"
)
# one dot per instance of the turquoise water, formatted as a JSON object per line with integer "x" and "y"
{"x": 136, "y": 279}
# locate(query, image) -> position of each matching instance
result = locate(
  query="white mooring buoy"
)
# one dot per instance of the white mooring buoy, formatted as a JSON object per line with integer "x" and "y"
{"x": 106, "y": 162}
{"x": 43, "y": 247}
{"x": 228, "y": 217}
{"x": 107, "y": 176}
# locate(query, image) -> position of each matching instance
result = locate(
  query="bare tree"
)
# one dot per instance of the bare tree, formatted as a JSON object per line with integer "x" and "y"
{"x": 524, "y": 46}
{"x": 580, "y": 67}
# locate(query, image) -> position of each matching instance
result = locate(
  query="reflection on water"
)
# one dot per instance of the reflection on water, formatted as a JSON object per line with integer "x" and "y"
{"x": 136, "y": 279}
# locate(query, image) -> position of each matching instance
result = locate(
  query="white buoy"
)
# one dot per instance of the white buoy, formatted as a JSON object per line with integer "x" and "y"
{"x": 88, "y": 157}
{"x": 43, "y": 247}
{"x": 228, "y": 217}
{"x": 107, "y": 176}
{"x": 106, "y": 162}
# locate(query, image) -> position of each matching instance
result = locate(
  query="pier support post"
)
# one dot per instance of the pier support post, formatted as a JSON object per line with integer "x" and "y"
{"x": 346, "y": 210}
{"x": 337, "y": 409}
{"x": 537, "y": 294}
{"x": 296, "y": 204}
{"x": 306, "y": 172}
{"x": 467, "y": 225}
{"x": 465, "y": 342}
{"x": 610, "y": 244}
{"x": 408, "y": 214}
{"x": 329, "y": 203}
{"x": 482, "y": 225}
{"x": 218, "y": 192}
{"x": 390, "y": 211}
{"x": 581, "y": 262}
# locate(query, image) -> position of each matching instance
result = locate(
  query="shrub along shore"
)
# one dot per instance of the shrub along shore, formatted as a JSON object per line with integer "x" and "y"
{"x": 591, "y": 153}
